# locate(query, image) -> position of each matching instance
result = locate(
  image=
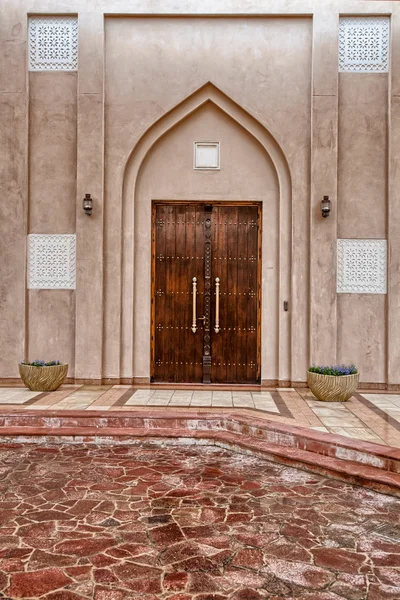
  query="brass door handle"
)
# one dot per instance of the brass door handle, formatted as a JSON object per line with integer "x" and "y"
{"x": 217, "y": 328}
{"x": 194, "y": 323}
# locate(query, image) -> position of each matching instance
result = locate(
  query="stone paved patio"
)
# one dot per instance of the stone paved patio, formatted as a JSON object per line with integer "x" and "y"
{"x": 187, "y": 523}
{"x": 373, "y": 417}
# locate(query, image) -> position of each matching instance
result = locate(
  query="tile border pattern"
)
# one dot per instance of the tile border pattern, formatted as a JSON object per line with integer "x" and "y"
{"x": 282, "y": 408}
{"x": 378, "y": 411}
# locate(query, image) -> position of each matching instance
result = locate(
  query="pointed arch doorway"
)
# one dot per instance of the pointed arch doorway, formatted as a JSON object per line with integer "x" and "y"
{"x": 161, "y": 167}
{"x": 206, "y": 292}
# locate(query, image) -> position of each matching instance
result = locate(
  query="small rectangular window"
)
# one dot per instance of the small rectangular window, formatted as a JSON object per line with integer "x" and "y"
{"x": 206, "y": 155}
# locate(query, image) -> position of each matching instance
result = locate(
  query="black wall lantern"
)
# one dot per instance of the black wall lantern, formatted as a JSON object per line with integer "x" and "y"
{"x": 325, "y": 206}
{"x": 87, "y": 204}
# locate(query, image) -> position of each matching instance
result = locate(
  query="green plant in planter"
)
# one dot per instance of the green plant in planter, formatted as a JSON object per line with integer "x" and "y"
{"x": 335, "y": 383}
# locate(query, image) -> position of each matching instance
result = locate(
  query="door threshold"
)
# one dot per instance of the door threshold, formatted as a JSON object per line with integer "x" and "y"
{"x": 229, "y": 387}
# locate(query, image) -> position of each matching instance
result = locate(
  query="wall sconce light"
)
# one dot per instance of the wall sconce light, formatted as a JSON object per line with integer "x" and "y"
{"x": 325, "y": 206}
{"x": 87, "y": 204}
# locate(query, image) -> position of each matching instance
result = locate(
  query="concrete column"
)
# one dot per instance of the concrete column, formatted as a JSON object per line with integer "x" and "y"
{"x": 394, "y": 207}
{"x": 89, "y": 229}
{"x": 324, "y": 131}
{"x": 13, "y": 185}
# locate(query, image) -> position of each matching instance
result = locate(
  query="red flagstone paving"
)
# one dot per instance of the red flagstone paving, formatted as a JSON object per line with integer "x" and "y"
{"x": 355, "y": 461}
{"x": 187, "y": 523}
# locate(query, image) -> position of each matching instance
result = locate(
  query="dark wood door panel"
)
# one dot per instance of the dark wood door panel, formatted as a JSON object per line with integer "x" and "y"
{"x": 178, "y": 257}
{"x": 235, "y": 349}
{"x": 181, "y": 245}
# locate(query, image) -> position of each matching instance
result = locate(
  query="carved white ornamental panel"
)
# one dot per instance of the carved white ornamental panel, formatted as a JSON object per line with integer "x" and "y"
{"x": 51, "y": 261}
{"x": 361, "y": 266}
{"x": 53, "y": 43}
{"x": 364, "y": 44}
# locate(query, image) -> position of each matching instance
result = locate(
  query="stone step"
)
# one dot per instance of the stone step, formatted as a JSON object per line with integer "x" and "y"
{"x": 362, "y": 463}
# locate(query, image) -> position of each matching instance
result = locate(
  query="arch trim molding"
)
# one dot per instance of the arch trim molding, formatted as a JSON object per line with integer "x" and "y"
{"x": 207, "y": 93}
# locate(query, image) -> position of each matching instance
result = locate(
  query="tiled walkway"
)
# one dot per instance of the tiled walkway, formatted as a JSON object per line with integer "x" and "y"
{"x": 373, "y": 417}
{"x": 141, "y": 522}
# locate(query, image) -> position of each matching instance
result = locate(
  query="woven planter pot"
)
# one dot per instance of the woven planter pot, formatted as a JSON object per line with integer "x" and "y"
{"x": 43, "y": 379}
{"x": 330, "y": 388}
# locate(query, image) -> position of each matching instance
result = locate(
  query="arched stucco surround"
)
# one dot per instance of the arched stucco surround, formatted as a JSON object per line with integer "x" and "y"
{"x": 207, "y": 93}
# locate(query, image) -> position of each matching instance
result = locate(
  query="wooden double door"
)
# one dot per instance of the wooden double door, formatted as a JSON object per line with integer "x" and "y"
{"x": 206, "y": 304}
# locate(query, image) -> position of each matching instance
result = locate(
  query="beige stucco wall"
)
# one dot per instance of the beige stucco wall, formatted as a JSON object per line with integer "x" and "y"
{"x": 139, "y": 91}
{"x": 362, "y": 212}
{"x": 51, "y": 321}
{"x": 67, "y": 134}
{"x": 52, "y": 199}
{"x": 52, "y": 152}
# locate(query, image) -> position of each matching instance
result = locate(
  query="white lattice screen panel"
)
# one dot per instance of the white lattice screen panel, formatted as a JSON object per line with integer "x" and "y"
{"x": 364, "y": 44}
{"x": 53, "y": 43}
{"x": 361, "y": 266}
{"x": 51, "y": 261}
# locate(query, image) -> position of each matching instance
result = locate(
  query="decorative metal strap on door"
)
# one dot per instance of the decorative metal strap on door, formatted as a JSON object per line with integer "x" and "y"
{"x": 207, "y": 359}
{"x": 207, "y": 296}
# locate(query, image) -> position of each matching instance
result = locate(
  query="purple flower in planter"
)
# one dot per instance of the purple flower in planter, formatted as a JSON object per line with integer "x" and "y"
{"x": 336, "y": 370}
{"x": 41, "y": 363}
